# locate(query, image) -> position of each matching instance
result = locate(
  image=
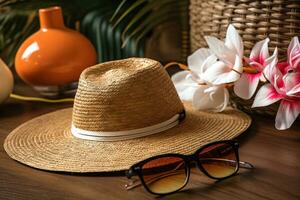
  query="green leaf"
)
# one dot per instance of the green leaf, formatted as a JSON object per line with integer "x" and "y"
{"x": 129, "y": 10}
{"x": 170, "y": 13}
{"x": 150, "y": 6}
{"x": 118, "y": 10}
{"x": 154, "y": 24}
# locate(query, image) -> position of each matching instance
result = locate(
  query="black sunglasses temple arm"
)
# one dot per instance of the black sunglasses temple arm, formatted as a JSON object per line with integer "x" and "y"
{"x": 242, "y": 164}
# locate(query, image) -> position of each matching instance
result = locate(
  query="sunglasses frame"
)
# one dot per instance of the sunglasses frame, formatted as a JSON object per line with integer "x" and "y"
{"x": 136, "y": 169}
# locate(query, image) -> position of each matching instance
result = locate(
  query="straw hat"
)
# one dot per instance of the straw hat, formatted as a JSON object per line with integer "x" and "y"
{"x": 124, "y": 111}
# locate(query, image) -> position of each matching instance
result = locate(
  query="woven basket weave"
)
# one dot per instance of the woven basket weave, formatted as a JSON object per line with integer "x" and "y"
{"x": 254, "y": 19}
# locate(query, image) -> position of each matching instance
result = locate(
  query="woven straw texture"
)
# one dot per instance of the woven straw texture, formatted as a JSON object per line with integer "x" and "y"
{"x": 254, "y": 19}
{"x": 119, "y": 95}
{"x": 123, "y": 95}
{"x": 54, "y": 148}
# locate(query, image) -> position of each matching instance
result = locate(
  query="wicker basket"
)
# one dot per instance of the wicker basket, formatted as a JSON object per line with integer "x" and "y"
{"x": 254, "y": 19}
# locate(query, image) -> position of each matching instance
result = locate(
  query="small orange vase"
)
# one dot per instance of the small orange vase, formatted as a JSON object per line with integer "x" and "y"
{"x": 55, "y": 55}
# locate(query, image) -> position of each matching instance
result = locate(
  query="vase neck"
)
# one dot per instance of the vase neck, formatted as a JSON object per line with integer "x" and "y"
{"x": 51, "y": 18}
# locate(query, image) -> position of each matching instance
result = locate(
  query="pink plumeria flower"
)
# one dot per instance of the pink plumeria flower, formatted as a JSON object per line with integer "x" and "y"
{"x": 293, "y": 55}
{"x": 284, "y": 86}
{"x": 259, "y": 58}
{"x": 229, "y": 65}
{"x": 191, "y": 87}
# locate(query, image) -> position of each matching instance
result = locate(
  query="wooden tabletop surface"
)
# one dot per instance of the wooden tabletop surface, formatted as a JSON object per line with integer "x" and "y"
{"x": 275, "y": 154}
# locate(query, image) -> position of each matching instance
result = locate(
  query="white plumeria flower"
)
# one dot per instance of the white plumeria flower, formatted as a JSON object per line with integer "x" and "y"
{"x": 199, "y": 62}
{"x": 210, "y": 70}
{"x": 208, "y": 97}
{"x": 186, "y": 82}
{"x": 191, "y": 86}
{"x": 185, "y": 85}
{"x": 203, "y": 96}
{"x": 229, "y": 66}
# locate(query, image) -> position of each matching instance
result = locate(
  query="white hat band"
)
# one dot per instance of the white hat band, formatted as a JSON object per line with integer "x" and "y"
{"x": 130, "y": 134}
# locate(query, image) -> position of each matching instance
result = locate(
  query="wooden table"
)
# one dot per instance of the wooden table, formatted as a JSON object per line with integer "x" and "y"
{"x": 275, "y": 154}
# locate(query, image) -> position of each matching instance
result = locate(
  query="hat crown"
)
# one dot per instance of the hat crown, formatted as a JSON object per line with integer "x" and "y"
{"x": 124, "y": 95}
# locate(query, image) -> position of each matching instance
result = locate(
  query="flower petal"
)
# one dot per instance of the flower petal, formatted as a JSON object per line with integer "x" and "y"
{"x": 279, "y": 85}
{"x": 225, "y": 103}
{"x": 260, "y": 51}
{"x": 265, "y": 96}
{"x": 272, "y": 58}
{"x": 180, "y": 77}
{"x": 293, "y": 50}
{"x": 292, "y": 83}
{"x": 212, "y": 73}
{"x": 238, "y": 64}
{"x": 196, "y": 60}
{"x": 211, "y": 98}
{"x": 259, "y": 67}
{"x": 295, "y": 91}
{"x": 212, "y": 59}
{"x": 234, "y": 41}
{"x": 245, "y": 87}
{"x": 284, "y": 67}
{"x": 271, "y": 70}
{"x": 262, "y": 78}
{"x": 185, "y": 86}
{"x": 187, "y": 94}
{"x": 220, "y": 50}
{"x": 201, "y": 100}
{"x": 287, "y": 113}
{"x": 220, "y": 73}
{"x": 294, "y": 45}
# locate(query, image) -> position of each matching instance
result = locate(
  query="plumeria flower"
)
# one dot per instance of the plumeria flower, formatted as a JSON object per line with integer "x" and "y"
{"x": 199, "y": 62}
{"x": 209, "y": 97}
{"x": 259, "y": 58}
{"x": 191, "y": 86}
{"x": 293, "y": 55}
{"x": 186, "y": 82}
{"x": 228, "y": 66}
{"x": 203, "y": 96}
{"x": 284, "y": 86}
{"x": 185, "y": 85}
{"x": 210, "y": 70}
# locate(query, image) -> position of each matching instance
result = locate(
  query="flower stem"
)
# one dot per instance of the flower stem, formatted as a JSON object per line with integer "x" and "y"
{"x": 247, "y": 68}
{"x": 229, "y": 85}
{"x": 250, "y": 70}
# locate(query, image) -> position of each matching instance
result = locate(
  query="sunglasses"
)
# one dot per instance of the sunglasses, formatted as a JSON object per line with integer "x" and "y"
{"x": 169, "y": 173}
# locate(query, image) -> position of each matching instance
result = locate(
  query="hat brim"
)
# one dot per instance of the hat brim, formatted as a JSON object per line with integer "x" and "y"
{"x": 46, "y": 142}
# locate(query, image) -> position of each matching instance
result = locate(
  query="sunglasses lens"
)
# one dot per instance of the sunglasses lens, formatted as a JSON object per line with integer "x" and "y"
{"x": 164, "y": 175}
{"x": 219, "y": 160}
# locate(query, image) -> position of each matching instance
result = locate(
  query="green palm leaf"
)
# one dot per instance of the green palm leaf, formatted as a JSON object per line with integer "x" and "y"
{"x": 154, "y": 6}
{"x": 141, "y": 20}
{"x": 170, "y": 13}
{"x": 144, "y": 15}
{"x": 118, "y": 10}
{"x": 136, "y": 4}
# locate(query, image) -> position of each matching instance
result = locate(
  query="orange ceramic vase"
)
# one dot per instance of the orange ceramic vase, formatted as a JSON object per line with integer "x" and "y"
{"x": 55, "y": 55}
